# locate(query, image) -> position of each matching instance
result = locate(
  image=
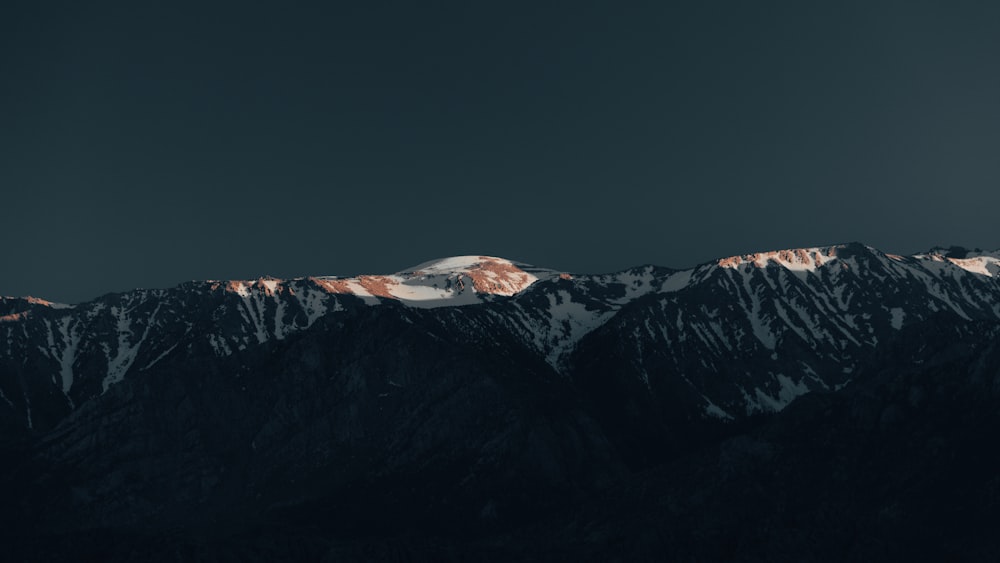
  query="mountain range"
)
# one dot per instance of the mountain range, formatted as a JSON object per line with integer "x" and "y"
{"x": 830, "y": 403}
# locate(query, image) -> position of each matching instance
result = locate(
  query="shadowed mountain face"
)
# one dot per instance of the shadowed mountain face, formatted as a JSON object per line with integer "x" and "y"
{"x": 759, "y": 407}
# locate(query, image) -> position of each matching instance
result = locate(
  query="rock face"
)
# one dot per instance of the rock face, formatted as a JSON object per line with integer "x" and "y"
{"x": 479, "y": 408}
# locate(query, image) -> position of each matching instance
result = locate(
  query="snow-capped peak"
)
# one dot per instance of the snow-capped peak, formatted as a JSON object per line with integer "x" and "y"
{"x": 457, "y": 280}
{"x": 487, "y": 274}
{"x": 802, "y": 259}
{"x": 19, "y": 308}
{"x": 975, "y": 261}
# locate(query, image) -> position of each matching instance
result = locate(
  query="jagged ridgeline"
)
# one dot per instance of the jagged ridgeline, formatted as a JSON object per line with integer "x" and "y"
{"x": 737, "y": 336}
{"x": 474, "y": 395}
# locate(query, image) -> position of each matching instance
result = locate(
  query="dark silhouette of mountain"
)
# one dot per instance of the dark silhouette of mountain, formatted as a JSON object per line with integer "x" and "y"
{"x": 811, "y": 404}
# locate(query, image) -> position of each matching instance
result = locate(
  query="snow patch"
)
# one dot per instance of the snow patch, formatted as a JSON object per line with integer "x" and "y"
{"x": 897, "y": 317}
{"x": 677, "y": 281}
{"x": 71, "y": 341}
{"x": 127, "y": 350}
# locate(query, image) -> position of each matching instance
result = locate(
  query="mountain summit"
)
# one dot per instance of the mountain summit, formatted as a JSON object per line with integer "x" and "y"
{"x": 474, "y": 392}
{"x": 833, "y": 305}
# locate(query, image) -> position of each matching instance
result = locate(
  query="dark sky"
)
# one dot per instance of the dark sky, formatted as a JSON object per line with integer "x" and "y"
{"x": 143, "y": 144}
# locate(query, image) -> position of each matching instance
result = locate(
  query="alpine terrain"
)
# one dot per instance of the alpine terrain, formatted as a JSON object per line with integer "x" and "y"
{"x": 835, "y": 403}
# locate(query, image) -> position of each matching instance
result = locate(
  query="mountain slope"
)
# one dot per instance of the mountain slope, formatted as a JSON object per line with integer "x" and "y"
{"x": 746, "y": 334}
{"x": 474, "y": 398}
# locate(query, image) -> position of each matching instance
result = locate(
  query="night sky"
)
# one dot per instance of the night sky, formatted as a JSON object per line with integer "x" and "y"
{"x": 144, "y": 144}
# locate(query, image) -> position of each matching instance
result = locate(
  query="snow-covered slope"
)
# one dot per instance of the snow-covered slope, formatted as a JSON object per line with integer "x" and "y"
{"x": 459, "y": 280}
{"x": 751, "y": 333}
{"x": 740, "y": 335}
{"x": 975, "y": 261}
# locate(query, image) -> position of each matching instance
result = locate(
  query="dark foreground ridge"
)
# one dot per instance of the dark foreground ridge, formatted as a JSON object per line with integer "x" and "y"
{"x": 826, "y": 404}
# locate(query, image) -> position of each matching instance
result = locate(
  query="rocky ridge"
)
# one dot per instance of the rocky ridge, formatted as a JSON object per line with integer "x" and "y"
{"x": 509, "y": 411}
